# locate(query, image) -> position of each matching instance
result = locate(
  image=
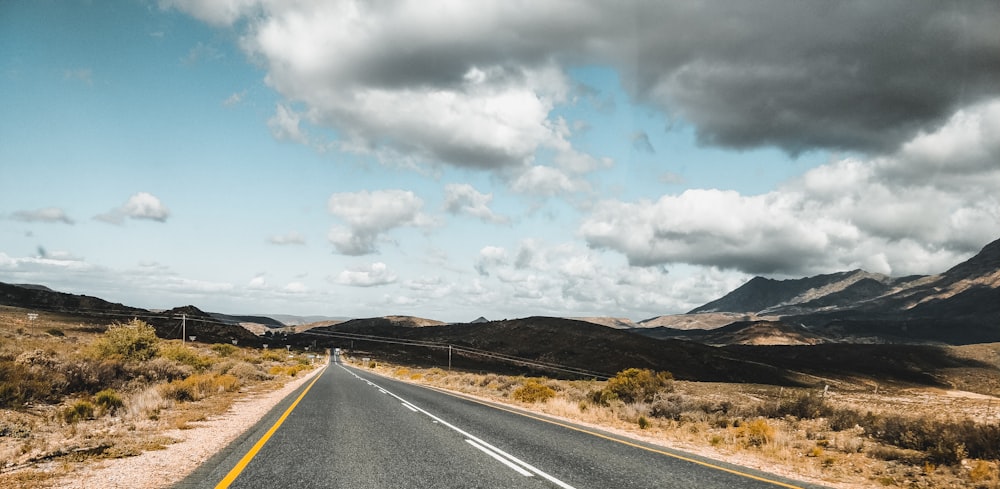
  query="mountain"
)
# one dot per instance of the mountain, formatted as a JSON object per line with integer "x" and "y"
{"x": 959, "y": 306}
{"x": 168, "y": 324}
{"x": 41, "y": 298}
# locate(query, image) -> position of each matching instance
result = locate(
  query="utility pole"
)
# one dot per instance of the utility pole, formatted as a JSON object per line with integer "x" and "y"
{"x": 449, "y": 358}
{"x": 183, "y": 328}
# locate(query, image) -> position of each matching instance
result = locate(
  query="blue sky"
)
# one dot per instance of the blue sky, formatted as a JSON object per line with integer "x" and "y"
{"x": 445, "y": 161}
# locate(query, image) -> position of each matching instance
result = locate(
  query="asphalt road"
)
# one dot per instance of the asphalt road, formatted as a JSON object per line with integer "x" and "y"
{"x": 353, "y": 429}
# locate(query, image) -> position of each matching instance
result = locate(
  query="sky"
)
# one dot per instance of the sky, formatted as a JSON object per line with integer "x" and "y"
{"x": 454, "y": 159}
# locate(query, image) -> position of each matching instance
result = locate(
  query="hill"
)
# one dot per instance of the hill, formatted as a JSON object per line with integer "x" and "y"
{"x": 959, "y": 306}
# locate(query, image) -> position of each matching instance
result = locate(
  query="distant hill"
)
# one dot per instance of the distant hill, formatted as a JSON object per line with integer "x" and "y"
{"x": 575, "y": 344}
{"x": 292, "y": 320}
{"x": 617, "y": 323}
{"x": 168, "y": 324}
{"x": 261, "y": 320}
{"x": 959, "y": 306}
{"x": 42, "y": 298}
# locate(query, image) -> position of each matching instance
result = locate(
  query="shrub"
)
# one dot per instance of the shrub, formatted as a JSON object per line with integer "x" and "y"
{"x": 199, "y": 386}
{"x": 186, "y": 356}
{"x": 272, "y": 356}
{"x": 108, "y": 401}
{"x": 131, "y": 341}
{"x": 160, "y": 369}
{"x": 20, "y": 385}
{"x": 55, "y": 332}
{"x": 247, "y": 371}
{"x": 224, "y": 349}
{"x": 644, "y": 423}
{"x": 533, "y": 391}
{"x": 90, "y": 375}
{"x": 638, "y": 385}
{"x": 756, "y": 433}
{"x": 79, "y": 411}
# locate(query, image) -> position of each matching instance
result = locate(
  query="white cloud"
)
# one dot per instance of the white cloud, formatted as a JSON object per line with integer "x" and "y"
{"x": 48, "y": 214}
{"x": 142, "y": 205}
{"x": 295, "y": 288}
{"x": 919, "y": 210}
{"x": 291, "y": 238}
{"x": 258, "y": 282}
{"x": 489, "y": 257}
{"x": 235, "y": 99}
{"x": 218, "y": 12}
{"x": 369, "y": 215}
{"x": 373, "y": 275}
{"x": 462, "y": 198}
{"x": 284, "y": 125}
{"x": 569, "y": 280}
{"x": 546, "y": 181}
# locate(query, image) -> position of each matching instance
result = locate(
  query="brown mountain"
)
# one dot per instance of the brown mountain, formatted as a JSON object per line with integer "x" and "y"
{"x": 959, "y": 306}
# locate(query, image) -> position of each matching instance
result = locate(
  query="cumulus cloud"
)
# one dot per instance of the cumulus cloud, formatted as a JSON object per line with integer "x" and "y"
{"x": 462, "y": 198}
{"x": 292, "y": 238}
{"x": 547, "y": 181}
{"x": 369, "y": 215}
{"x": 476, "y": 83}
{"x": 490, "y": 256}
{"x": 47, "y": 214}
{"x": 568, "y": 279}
{"x": 372, "y": 275}
{"x": 142, "y": 205}
{"x": 284, "y": 125}
{"x": 918, "y": 210}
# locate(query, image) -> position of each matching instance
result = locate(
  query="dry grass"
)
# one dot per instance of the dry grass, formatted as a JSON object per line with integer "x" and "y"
{"x": 841, "y": 439}
{"x": 71, "y": 393}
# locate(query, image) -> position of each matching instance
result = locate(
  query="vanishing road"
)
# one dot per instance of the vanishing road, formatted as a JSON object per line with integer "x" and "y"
{"x": 351, "y": 429}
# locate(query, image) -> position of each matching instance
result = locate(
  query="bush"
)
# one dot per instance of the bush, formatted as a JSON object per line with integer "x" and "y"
{"x": 131, "y": 341}
{"x": 108, "y": 401}
{"x": 20, "y": 385}
{"x": 160, "y": 369}
{"x": 533, "y": 391}
{"x": 637, "y": 385}
{"x": 756, "y": 433}
{"x": 199, "y": 386}
{"x": 224, "y": 349}
{"x": 89, "y": 375}
{"x": 247, "y": 371}
{"x": 79, "y": 411}
{"x": 186, "y": 356}
{"x": 55, "y": 332}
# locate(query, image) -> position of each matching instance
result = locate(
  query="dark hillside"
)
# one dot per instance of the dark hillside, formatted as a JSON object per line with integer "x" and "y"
{"x": 566, "y": 342}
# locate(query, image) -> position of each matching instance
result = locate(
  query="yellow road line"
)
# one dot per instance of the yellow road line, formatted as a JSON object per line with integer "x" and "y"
{"x": 242, "y": 464}
{"x": 623, "y": 442}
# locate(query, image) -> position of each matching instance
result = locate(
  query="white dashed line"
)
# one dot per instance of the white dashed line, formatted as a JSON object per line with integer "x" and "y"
{"x": 507, "y": 459}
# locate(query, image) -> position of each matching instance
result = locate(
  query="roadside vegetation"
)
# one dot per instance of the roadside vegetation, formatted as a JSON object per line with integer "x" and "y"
{"x": 838, "y": 437}
{"x": 72, "y": 392}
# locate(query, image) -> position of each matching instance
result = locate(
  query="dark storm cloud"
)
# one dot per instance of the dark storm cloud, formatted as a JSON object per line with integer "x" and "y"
{"x": 793, "y": 74}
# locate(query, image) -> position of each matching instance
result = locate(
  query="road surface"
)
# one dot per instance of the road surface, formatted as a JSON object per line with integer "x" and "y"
{"x": 351, "y": 429}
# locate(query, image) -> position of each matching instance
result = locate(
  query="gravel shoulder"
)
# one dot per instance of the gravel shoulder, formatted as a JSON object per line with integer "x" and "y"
{"x": 162, "y": 468}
